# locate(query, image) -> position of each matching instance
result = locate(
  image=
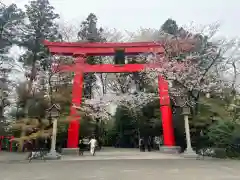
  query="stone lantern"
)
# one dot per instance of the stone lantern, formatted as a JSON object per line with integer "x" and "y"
{"x": 182, "y": 101}
{"x": 54, "y": 111}
{"x": 54, "y": 114}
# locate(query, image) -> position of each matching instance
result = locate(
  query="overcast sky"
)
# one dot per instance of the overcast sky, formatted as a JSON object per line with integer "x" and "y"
{"x": 132, "y": 14}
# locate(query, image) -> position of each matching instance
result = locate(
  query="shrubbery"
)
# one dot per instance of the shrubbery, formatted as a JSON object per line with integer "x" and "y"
{"x": 224, "y": 137}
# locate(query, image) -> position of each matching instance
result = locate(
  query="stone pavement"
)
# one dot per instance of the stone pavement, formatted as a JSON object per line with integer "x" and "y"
{"x": 180, "y": 169}
{"x": 7, "y": 156}
{"x": 113, "y": 154}
{"x": 117, "y": 164}
{"x": 104, "y": 154}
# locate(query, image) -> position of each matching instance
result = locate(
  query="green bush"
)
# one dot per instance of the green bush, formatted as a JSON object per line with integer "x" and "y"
{"x": 225, "y": 137}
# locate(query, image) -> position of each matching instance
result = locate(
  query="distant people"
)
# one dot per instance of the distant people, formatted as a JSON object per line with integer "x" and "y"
{"x": 149, "y": 143}
{"x": 100, "y": 143}
{"x": 25, "y": 146}
{"x": 93, "y": 145}
{"x": 141, "y": 145}
{"x": 80, "y": 147}
{"x": 160, "y": 141}
{"x": 47, "y": 145}
{"x": 157, "y": 142}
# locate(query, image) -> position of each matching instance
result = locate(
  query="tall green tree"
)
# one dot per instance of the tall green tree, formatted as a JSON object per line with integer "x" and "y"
{"x": 11, "y": 22}
{"x": 170, "y": 26}
{"x": 91, "y": 33}
{"x": 126, "y": 129}
{"x": 4, "y": 101}
{"x": 41, "y": 24}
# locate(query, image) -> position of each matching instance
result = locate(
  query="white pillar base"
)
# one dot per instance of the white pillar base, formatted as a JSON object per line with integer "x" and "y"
{"x": 170, "y": 149}
{"x": 52, "y": 155}
{"x": 190, "y": 153}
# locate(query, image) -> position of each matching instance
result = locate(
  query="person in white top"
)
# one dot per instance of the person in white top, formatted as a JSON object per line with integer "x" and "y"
{"x": 93, "y": 144}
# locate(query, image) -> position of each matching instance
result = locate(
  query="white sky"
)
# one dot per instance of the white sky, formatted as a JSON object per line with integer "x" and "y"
{"x": 132, "y": 14}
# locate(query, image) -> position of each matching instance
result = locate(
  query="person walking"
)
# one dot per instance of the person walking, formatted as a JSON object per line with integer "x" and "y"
{"x": 149, "y": 143}
{"x": 141, "y": 145}
{"x": 157, "y": 143}
{"x": 93, "y": 145}
{"x": 80, "y": 147}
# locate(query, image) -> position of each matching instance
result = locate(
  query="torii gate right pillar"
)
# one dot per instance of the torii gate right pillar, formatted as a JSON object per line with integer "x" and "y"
{"x": 167, "y": 120}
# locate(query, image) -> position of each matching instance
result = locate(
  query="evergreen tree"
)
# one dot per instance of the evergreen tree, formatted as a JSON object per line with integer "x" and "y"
{"x": 125, "y": 127}
{"x": 11, "y": 21}
{"x": 41, "y": 25}
{"x": 170, "y": 26}
{"x": 4, "y": 102}
{"x": 90, "y": 33}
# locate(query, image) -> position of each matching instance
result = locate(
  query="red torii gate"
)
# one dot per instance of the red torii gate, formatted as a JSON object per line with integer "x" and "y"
{"x": 81, "y": 50}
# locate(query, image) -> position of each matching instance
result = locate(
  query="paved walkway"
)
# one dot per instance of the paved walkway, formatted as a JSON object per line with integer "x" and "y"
{"x": 112, "y": 153}
{"x": 117, "y": 164}
{"x": 174, "y": 169}
{"x": 104, "y": 154}
{"x": 7, "y": 156}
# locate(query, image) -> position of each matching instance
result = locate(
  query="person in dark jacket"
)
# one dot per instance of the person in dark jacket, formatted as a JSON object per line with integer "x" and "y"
{"x": 81, "y": 147}
{"x": 141, "y": 145}
{"x": 149, "y": 144}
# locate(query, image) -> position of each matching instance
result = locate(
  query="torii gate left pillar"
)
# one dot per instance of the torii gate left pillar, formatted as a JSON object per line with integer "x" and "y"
{"x": 77, "y": 90}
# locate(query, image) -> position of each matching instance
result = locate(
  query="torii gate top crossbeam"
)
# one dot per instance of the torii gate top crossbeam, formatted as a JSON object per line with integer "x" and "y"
{"x": 107, "y": 48}
{"x": 104, "y": 49}
{"x": 101, "y": 49}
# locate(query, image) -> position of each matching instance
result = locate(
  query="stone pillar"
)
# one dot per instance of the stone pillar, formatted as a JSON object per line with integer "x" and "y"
{"x": 54, "y": 136}
{"x": 189, "y": 152}
{"x": 53, "y": 154}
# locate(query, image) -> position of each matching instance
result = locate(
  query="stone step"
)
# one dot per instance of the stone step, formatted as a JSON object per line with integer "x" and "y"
{"x": 69, "y": 151}
{"x": 97, "y": 157}
{"x": 115, "y": 151}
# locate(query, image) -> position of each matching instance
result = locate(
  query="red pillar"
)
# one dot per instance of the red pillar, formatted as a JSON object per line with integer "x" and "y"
{"x": 166, "y": 112}
{"x": 73, "y": 129}
{"x": 10, "y": 145}
{"x": 1, "y": 139}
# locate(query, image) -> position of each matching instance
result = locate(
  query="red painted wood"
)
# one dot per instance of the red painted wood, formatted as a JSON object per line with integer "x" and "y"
{"x": 101, "y": 44}
{"x": 74, "y": 126}
{"x": 166, "y": 112}
{"x": 96, "y": 49}
{"x": 104, "y": 68}
{"x": 1, "y": 139}
{"x": 101, "y": 51}
{"x": 108, "y": 49}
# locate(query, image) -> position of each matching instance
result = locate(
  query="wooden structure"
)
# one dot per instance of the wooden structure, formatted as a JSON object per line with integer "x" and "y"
{"x": 81, "y": 50}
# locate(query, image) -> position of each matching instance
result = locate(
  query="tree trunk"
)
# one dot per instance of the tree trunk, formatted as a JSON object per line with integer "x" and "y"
{"x": 21, "y": 142}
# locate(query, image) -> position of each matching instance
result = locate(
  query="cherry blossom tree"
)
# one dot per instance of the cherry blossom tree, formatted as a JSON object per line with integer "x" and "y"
{"x": 100, "y": 107}
{"x": 193, "y": 62}
{"x": 198, "y": 70}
